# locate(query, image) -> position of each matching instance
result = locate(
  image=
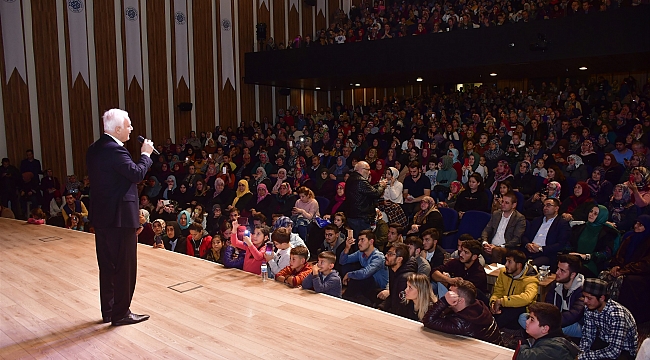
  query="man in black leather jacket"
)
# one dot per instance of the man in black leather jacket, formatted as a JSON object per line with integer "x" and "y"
{"x": 360, "y": 198}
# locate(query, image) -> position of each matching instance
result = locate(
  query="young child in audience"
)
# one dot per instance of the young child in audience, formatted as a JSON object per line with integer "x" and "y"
{"x": 37, "y": 217}
{"x": 323, "y": 278}
{"x": 298, "y": 268}
{"x": 280, "y": 259}
{"x": 254, "y": 244}
{"x": 539, "y": 170}
{"x": 432, "y": 173}
{"x": 482, "y": 168}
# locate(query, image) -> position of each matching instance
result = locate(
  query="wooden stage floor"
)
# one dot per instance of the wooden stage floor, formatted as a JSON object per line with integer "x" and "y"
{"x": 49, "y": 308}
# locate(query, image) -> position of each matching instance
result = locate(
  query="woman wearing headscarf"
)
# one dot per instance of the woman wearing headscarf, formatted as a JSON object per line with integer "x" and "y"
{"x": 394, "y": 188}
{"x": 175, "y": 160}
{"x": 501, "y": 173}
{"x": 587, "y": 153}
{"x": 640, "y": 187}
{"x": 637, "y": 159}
{"x": 630, "y": 271}
{"x": 445, "y": 176}
{"x": 301, "y": 179}
{"x": 184, "y": 221}
{"x": 524, "y": 181}
{"x": 163, "y": 172}
{"x": 242, "y": 196}
{"x": 594, "y": 241}
{"x": 285, "y": 200}
{"x": 561, "y": 152}
{"x": 576, "y": 169}
{"x": 327, "y": 186}
{"x": 455, "y": 162}
{"x": 622, "y": 212}
{"x": 493, "y": 154}
{"x": 281, "y": 178}
{"x": 578, "y": 205}
{"x": 260, "y": 176}
{"x": 153, "y": 188}
{"x": 211, "y": 173}
{"x": 183, "y": 195}
{"x": 378, "y": 172}
{"x": 264, "y": 203}
{"x": 338, "y": 170}
{"x": 335, "y": 205}
{"x": 222, "y": 195}
{"x": 145, "y": 231}
{"x": 601, "y": 189}
{"x": 533, "y": 207}
{"x": 427, "y": 217}
{"x": 613, "y": 170}
{"x": 173, "y": 240}
{"x": 167, "y": 192}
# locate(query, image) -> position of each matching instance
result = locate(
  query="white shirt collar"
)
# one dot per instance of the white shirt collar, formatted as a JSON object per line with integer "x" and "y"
{"x": 116, "y": 140}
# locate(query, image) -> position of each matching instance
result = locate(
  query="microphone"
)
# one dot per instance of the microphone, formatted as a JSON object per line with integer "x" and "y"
{"x": 141, "y": 140}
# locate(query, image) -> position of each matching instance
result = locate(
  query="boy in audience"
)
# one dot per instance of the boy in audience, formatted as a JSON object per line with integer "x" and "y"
{"x": 298, "y": 268}
{"x": 548, "y": 342}
{"x": 280, "y": 259}
{"x": 456, "y": 253}
{"x": 609, "y": 330}
{"x": 416, "y": 247}
{"x": 323, "y": 278}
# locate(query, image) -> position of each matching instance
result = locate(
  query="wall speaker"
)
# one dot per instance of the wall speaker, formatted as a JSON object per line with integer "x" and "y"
{"x": 285, "y": 91}
{"x": 310, "y": 2}
{"x": 185, "y": 106}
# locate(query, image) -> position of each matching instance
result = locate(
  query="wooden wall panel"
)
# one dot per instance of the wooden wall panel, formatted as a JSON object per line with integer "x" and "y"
{"x": 358, "y": 97}
{"x": 265, "y": 92}
{"x": 321, "y": 20}
{"x": 18, "y": 128}
{"x": 295, "y": 99}
{"x": 308, "y": 99}
{"x": 81, "y": 126}
{"x": 347, "y": 97}
{"x": 106, "y": 57}
{"x": 203, "y": 65}
{"x": 227, "y": 94}
{"x": 246, "y": 32}
{"x": 50, "y": 112}
{"x": 308, "y": 20}
{"x": 279, "y": 16}
{"x": 157, "y": 50}
{"x": 134, "y": 102}
{"x": 294, "y": 23}
{"x": 321, "y": 96}
{"x": 332, "y": 6}
{"x": 182, "y": 119}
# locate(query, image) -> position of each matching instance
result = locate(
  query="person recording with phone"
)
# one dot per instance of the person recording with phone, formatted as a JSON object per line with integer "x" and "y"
{"x": 253, "y": 242}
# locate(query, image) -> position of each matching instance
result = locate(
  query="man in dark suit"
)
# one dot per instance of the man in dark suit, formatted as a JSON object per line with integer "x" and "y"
{"x": 546, "y": 236}
{"x": 114, "y": 214}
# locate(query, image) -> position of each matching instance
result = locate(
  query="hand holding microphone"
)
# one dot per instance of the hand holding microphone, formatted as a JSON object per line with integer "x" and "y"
{"x": 147, "y": 146}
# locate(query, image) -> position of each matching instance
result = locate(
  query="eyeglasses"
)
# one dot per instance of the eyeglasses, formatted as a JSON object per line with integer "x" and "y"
{"x": 390, "y": 254}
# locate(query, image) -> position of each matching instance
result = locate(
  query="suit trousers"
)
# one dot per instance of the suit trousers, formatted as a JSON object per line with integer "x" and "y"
{"x": 117, "y": 260}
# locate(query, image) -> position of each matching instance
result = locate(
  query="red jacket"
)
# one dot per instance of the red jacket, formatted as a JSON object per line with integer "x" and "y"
{"x": 298, "y": 276}
{"x": 206, "y": 244}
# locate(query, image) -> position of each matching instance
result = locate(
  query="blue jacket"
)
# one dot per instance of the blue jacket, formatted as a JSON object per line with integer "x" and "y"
{"x": 373, "y": 265}
{"x": 330, "y": 284}
{"x": 557, "y": 238}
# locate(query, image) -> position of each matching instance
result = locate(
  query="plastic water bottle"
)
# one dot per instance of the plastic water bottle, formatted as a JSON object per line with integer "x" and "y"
{"x": 264, "y": 272}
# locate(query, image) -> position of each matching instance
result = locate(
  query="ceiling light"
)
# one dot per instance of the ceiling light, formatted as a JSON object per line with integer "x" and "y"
{"x": 317, "y": 87}
{"x": 357, "y": 84}
{"x": 418, "y": 79}
{"x": 493, "y": 74}
{"x": 583, "y": 68}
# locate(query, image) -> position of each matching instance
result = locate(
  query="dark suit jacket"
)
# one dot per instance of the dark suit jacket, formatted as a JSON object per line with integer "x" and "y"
{"x": 557, "y": 238}
{"x": 514, "y": 230}
{"x": 114, "y": 175}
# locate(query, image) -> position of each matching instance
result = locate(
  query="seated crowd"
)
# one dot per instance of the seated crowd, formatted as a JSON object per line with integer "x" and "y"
{"x": 377, "y": 20}
{"x": 348, "y": 201}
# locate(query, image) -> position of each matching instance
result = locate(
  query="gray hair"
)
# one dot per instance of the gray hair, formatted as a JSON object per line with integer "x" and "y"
{"x": 113, "y": 118}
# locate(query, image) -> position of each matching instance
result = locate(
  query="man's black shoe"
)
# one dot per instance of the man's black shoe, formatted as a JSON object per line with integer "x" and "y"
{"x": 130, "y": 319}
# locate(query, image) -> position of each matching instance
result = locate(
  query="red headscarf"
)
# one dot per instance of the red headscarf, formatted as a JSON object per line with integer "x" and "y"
{"x": 338, "y": 199}
{"x": 576, "y": 201}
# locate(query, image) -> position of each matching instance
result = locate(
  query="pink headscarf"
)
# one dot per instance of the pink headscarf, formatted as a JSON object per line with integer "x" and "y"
{"x": 338, "y": 199}
{"x": 262, "y": 186}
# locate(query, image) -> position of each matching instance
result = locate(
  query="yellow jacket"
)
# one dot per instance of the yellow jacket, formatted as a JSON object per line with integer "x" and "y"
{"x": 516, "y": 291}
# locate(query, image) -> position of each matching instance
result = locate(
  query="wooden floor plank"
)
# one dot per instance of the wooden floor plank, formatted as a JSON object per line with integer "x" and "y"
{"x": 49, "y": 308}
